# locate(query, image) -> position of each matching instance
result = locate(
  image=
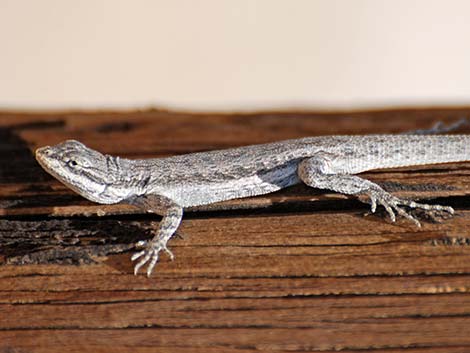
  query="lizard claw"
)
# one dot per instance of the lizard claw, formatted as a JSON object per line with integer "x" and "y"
{"x": 150, "y": 254}
{"x": 392, "y": 205}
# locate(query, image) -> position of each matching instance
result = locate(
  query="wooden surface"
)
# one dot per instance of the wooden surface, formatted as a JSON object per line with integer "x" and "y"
{"x": 298, "y": 270}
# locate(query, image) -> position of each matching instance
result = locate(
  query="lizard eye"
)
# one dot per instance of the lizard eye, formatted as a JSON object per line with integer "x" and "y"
{"x": 72, "y": 163}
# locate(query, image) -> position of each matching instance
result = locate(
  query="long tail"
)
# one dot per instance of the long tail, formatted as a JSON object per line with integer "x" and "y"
{"x": 391, "y": 151}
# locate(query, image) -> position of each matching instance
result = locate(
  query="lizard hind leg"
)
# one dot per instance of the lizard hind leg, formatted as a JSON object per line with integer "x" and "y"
{"x": 319, "y": 172}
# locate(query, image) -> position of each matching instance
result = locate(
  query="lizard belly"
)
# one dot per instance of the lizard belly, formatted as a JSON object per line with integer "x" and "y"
{"x": 258, "y": 184}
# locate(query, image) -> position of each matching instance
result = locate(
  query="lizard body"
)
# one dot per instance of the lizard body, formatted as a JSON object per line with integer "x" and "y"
{"x": 168, "y": 185}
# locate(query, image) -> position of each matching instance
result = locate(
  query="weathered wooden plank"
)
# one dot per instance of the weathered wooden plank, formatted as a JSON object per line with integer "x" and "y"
{"x": 291, "y": 242}
{"x": 242, "y": 349}
{"x": 298, "y": 270}
{"x": 301, "y": 312}
{"x": 375, "y": 334}
{"x": 87, "y": 286}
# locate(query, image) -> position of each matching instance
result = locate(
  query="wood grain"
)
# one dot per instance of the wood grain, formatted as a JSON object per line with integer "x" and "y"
{"x": 297, "y": 270}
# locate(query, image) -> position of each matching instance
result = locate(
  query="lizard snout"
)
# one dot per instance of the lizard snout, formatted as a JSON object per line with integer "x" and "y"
{"x": 43, "y": 155}
{"x": 43, "y": 151}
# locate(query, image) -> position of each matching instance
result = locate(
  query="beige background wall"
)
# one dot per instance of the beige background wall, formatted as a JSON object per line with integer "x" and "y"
{"x": 239, "y": 54}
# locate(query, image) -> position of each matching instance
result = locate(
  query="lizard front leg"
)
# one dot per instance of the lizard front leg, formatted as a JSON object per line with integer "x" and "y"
{"x": 319, "y": 172}
{"x": 172, "y": 214}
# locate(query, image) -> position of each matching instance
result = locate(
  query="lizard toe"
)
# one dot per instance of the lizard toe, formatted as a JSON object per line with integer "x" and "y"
{"x": 146, "y": 257}
{"x": 137, "y": 255}
{"x": 150, "y": 255}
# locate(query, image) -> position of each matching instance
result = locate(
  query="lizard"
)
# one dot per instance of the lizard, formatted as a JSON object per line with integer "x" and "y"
{"x": 166, "y": 186}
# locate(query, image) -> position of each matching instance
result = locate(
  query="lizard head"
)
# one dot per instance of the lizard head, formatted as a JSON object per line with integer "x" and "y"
{"x": 80, "y": 168}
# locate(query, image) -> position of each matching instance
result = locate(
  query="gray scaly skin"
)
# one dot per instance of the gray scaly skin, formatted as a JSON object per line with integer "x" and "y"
{"x": 168, "y": 185}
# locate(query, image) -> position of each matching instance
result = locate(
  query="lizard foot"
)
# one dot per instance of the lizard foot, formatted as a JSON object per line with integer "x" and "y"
{"x": 150, "y": 253}
{"x": 392, "y": 205}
